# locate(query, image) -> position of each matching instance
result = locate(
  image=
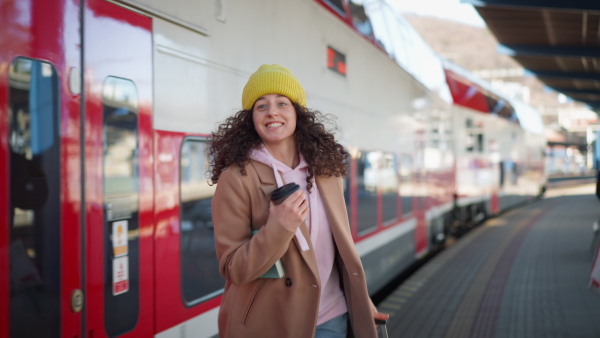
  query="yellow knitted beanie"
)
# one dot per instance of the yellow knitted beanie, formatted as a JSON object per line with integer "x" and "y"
{"x": 272, "y": 79}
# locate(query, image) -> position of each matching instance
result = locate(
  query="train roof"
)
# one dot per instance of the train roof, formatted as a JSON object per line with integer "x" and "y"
{"x": 475, "y": 93}
{"x": 377, "y": 21}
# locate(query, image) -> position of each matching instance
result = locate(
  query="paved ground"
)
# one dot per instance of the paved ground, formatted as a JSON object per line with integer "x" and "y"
{"x": 523, "y": 274}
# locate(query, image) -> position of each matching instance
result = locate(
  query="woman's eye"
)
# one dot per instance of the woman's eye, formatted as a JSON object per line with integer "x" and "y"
{"x": 282, "y": 103}
{"x": 261, "y": 106}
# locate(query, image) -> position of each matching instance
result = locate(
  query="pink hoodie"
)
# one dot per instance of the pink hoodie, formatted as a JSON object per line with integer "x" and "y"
{"x": 332, "y": 302}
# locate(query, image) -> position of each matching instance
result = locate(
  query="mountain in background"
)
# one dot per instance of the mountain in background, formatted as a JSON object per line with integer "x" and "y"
{"x": 470, "y": 47}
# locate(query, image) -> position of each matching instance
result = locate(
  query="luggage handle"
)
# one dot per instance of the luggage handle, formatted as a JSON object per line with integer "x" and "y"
{"x": 382, "y": 327}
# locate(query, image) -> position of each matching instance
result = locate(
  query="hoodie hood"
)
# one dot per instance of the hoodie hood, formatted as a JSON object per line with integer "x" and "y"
{"x": 284, "y": 174}
{"x": 262, "y": 155}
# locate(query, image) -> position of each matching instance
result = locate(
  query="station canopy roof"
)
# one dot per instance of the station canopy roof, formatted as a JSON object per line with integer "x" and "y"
{"x": 557, "y": 40}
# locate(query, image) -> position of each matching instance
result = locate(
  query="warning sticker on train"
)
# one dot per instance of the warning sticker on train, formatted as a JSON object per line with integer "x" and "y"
{"x": 119, "y": 238}
{"x": 120, "y": 275}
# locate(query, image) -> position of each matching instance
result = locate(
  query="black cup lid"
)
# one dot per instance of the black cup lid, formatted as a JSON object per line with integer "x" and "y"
{"x": 284, "y": 191}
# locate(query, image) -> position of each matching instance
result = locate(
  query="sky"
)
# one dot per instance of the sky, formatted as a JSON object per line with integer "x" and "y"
{"x": 447, "y": 9}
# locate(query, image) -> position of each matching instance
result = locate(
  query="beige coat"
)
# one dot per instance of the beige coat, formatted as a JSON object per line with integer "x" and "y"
{"x": 286, "y": 307}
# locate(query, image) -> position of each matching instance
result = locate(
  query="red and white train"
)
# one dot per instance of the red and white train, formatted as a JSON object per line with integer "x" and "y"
{"x": 105, "y": 107}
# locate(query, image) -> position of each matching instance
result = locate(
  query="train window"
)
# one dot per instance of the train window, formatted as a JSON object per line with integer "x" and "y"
{"x": 34, "y": 199}
{"x": 501, "y": 173}
{"x": 360, "y": 19}
{"x": 373, "y": 19}
{"x": 347, "y": 192}
{"x": 200, "y": 277}
{"x": 480, "y": 143}
{"x": 121, "y": 195}
{"x": 389, "y": 185}
{"x": 402, "y": 42}
{"x": 475, "y": 138}
{"x": 514, "y": 172}
{"x": 337, "y": 5}
{"x": 405, "y": 169}
{"x": 470, "y": 141}
{"x": 367, "y": 179}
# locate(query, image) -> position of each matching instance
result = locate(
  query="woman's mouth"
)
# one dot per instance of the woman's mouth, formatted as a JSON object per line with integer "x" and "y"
{"x": 274, "y": 124}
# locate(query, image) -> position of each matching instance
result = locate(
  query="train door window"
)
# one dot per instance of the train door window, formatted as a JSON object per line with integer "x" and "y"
{"x": 34, "y": 215}
{"x": 121, "y": 195}
{"x": 367, "y": 178}
{"x": 406, "y": 183}
{"x": 200, "y": 277}
{"x": 388, "y": 185}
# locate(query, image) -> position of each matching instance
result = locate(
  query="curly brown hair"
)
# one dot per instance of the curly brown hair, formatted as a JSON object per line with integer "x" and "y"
{"x": 236, "y": 137}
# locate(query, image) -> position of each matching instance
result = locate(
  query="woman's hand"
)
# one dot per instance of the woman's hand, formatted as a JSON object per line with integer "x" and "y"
{"x": 379, "y": 315}
{"x": 291, "y": 212}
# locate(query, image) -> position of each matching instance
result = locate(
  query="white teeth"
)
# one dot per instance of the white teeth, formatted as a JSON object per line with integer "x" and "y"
{"x": 274, "y": 125}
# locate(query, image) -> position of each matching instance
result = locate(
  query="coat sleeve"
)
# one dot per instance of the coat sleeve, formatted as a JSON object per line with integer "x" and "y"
{"x": 243, "y": 257}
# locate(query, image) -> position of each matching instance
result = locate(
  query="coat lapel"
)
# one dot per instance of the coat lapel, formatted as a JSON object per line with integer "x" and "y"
{"x": 267, "y": 185}
{"x": 331, "y": 194}
{"x": 308, "y": 255}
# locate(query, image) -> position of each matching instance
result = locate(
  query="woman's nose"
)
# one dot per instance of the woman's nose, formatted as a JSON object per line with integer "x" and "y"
{"x": 273, "y": 110}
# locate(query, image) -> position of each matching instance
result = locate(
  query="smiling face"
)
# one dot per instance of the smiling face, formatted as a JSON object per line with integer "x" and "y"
{"x": 274, "y": 119}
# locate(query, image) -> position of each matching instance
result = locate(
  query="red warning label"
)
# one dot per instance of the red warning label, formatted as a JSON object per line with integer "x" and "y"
{"x": 120, "y": 275}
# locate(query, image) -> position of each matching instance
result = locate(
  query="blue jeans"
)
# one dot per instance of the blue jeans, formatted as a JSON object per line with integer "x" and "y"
{"x": 333, "y": 328}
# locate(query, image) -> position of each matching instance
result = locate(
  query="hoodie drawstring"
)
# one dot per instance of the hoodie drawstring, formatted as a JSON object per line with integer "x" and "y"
{"x": 299, "y": 235}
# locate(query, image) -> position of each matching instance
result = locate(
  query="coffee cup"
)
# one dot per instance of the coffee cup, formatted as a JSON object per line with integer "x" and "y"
{"x": 280, "y": 194}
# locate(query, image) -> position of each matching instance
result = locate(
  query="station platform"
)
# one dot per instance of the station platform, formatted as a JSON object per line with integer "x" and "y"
{"x": 524, "y": 273}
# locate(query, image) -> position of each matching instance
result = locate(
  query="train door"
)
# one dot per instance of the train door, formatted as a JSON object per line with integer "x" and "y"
{"x": 421, "y": 201}
{"x": 118, "y": 171}
{"x": 40, "y": 172}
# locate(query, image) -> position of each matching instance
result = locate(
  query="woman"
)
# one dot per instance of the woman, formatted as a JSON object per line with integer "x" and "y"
{"x": 275, "y": 140}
